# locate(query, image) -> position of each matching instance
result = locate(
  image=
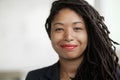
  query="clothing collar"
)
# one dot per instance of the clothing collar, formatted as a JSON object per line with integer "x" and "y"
{"x": 53, "y": 72}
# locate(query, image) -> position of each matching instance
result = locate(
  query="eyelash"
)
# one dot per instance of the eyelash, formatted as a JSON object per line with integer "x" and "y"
{"x": 77, "y": 28}
{"x": 59, "y": 29}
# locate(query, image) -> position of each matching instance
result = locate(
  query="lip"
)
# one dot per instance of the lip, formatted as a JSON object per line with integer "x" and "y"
{"x": 68, "y": 46}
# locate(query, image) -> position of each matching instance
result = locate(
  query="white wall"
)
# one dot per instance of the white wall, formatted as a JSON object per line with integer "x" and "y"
{"x": 24, "y": 43}
{"x": 23, "y": 39}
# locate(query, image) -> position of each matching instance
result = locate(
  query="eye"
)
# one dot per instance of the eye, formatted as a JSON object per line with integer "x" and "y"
{"x": 59, "y": 29}
{"x": 77, "y": 28}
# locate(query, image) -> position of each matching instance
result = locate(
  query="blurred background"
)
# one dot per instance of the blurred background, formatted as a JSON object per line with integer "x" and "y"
{"x": 24, "y": 43}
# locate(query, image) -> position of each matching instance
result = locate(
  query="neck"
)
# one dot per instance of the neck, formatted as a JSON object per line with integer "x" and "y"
{"x": 68, "y": 68}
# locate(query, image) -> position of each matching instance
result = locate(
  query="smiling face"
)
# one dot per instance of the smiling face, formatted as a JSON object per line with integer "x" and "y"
{"x": 69, "y": 35}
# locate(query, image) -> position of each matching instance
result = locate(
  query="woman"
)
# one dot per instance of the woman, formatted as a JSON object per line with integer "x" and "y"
{"x": 81, "y": 39}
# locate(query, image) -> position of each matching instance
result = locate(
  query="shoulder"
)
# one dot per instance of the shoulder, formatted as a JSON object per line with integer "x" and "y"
{"x": 43, "y": 73}
{"x": 36, "y": 74}
{"x": 118, "y": 73}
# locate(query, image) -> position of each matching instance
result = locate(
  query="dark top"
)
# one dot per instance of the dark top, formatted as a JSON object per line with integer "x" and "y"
{"x": 47, "y": 73}
{"x": 50, "y": 73}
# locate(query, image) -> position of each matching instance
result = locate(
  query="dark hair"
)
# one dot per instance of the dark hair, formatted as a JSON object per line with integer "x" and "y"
{"x": 100, "y": 60}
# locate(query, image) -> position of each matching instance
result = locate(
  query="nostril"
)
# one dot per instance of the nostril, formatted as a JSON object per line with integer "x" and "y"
{"x": 68, "y": 40}
{"x": 68, "y": 36}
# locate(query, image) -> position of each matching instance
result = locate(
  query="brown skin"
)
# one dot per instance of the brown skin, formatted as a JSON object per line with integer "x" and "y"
{"x": 69, "y": 39}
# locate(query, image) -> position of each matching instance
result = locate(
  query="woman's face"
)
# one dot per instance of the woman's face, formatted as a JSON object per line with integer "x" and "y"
{"x": 69, "y": 35}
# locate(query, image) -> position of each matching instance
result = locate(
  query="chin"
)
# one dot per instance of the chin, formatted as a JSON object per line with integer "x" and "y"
{"x": 71, "y": 58}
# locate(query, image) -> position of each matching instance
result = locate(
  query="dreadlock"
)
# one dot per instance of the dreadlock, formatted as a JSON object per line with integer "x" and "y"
{"x": 100, "y": 60}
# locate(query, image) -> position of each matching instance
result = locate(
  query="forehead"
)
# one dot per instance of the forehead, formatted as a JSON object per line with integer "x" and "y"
{"x": 67, "y": 14}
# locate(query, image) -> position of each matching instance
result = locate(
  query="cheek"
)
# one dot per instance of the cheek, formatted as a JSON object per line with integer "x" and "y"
{"x": 56, "y": 38}
{"x": 83, "y": 37}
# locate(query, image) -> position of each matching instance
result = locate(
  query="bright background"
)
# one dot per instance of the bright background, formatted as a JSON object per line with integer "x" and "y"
{"x": 24, "y": 43}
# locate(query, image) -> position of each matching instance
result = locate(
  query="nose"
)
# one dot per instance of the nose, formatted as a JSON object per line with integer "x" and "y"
{"x": 68, "y": 36}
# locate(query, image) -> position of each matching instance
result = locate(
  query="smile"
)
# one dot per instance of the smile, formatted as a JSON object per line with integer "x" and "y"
{"x": 68, "y": 46}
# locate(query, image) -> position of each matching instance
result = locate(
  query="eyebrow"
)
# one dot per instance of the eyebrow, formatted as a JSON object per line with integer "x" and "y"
{"x": 77, "y": 22}
{"x": 58, "y": 23}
